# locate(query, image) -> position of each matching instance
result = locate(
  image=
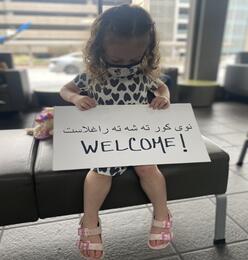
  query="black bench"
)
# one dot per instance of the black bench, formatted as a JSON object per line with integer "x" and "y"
{"x": 30, "y": 189}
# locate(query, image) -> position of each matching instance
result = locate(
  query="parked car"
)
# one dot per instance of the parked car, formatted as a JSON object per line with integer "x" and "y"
{"x": 71, "y": 63}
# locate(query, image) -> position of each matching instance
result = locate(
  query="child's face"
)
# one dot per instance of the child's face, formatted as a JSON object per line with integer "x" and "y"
{"x": 122, "y": 51}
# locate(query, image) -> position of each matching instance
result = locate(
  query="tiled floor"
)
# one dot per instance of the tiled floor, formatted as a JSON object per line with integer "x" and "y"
{"x": 125, "y": 232}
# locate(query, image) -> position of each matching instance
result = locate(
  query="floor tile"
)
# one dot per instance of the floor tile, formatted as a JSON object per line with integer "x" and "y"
{"x": 125, "y": 230}
{"x": 223, "y": 119}
{"x": 230, "y": 107}
{"x": 236, "y": 139}
{"x": 166, "y": 258}
{"x": 218, "y": 140}
{"x": 47, "y": 241}
{"x": 240, "y": 125}
{"x": 237, "y": 208}
{"x": 124, "y": 209}
{"x": 241, "y": 170}
{"x": 1, "y": 233}
{"x": 234, "y": 153}
{"x": 237, "y": 251}
{"x": 126, "y": 235}
{"x": 188, "y": 199}
{"x": 215, "y": 128}
{"x": 236, "y": 183}
{"x": 194, "y": 225}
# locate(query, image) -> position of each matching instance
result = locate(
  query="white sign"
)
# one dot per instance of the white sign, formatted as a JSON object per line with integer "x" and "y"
{"x": 125, "y": 135}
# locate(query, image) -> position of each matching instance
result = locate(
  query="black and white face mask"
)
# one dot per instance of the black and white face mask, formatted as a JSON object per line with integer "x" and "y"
{"x": 123, "y": 70}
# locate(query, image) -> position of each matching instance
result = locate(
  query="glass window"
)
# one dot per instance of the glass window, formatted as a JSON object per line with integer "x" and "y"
{"x": 171, "y": 18}
{"x": 182, "y": 27}
{"x": 235, "y": 36}
{"x": 46, "y": 37}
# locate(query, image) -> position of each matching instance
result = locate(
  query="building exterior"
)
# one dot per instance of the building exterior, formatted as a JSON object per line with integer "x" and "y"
{"x": 65, "y": 24}
{"x": 62, "y": 26}
{"x": 171, "y": 18}
{"x": 56, "y": 25}
{"x": 236, "y": 32}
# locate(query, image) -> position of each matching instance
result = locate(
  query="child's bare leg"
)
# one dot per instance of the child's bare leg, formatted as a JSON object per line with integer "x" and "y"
{"x": 154, "y": 185}
{"x": 96, "y": 188}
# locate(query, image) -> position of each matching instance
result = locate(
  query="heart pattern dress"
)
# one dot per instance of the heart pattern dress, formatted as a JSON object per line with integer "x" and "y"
{"x": 122, "y": 86}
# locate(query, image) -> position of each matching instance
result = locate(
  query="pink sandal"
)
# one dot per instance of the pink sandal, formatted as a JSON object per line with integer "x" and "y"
{"x": 87, "y": 245}
{"x": 165, "y": 235}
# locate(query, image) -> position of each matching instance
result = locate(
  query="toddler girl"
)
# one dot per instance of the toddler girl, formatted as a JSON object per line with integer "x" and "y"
{"x": 121, "y": 60}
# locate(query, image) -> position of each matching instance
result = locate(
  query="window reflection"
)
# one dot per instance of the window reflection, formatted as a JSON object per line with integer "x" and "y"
{"x": 236, "y": 34}
{"x": 51, "y": 47}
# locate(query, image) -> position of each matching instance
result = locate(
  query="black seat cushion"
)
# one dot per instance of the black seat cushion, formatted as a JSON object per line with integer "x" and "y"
{"x": 61, "y": 192}
{"x": 17, "y": 196}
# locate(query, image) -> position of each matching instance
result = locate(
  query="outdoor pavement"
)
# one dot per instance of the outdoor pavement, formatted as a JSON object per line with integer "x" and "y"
{"x": 43, "y": 79}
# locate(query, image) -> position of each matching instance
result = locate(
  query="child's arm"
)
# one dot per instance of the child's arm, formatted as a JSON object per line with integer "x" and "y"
{"x": 71, "y": 93}
{"x": 162, "y": 99}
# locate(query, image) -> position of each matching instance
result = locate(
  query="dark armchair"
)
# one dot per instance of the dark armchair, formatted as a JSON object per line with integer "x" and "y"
{"x": 15, "y": 93}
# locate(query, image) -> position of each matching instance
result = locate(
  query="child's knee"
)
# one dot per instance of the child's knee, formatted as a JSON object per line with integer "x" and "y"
{"x": 100, "y": 176}
{"x": 146, "y": 170}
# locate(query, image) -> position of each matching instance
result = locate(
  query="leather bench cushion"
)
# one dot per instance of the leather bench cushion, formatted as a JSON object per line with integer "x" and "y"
{"x": 61, "y": 192}
{"x": 17, "y": 196}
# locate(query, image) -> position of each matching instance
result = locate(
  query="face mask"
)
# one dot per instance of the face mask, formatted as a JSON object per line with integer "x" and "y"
{"x": 123, "y": 70}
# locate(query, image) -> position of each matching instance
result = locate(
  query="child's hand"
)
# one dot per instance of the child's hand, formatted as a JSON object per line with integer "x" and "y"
{"x": 160, "y": 102}
{"x": 83, "y": 102}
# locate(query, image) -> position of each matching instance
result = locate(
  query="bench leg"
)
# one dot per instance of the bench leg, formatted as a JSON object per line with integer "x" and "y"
{"x": 242, "y": 154}
{"x": 220, "y": 219}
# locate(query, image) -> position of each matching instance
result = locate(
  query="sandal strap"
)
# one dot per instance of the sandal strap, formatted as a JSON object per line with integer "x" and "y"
{"x": 81, "y": 221}
{"x": 161, "y": 236}
{"x": 87, "y": 245}
{"x": 162, "y": 224}
{"x": 89, "y": 231}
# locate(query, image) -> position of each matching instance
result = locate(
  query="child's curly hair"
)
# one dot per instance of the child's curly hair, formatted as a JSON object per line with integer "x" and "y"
{"x": 122, "y": 21}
